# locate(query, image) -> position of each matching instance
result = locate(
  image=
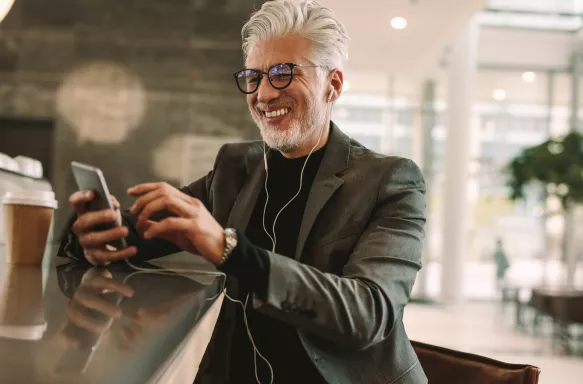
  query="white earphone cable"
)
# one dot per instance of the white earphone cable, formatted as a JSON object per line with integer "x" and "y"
{"x": 274, "y": 238}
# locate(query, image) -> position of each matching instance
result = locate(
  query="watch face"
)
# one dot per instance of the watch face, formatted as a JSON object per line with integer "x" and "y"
{"x": 231, "y": 238}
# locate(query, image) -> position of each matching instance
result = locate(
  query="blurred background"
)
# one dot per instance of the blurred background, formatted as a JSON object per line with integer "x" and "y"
{"x": 144, "y": 91}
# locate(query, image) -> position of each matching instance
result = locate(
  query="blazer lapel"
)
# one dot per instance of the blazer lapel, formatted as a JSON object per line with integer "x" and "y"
{"x": 245, "y": 202}
{"x": 326, "y": 182}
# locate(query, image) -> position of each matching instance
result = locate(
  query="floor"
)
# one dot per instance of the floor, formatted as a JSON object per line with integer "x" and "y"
{"x": 484, "y": 328}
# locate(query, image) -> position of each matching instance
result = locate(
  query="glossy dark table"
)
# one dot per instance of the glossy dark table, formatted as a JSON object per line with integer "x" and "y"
{"x": 58, "y": 322}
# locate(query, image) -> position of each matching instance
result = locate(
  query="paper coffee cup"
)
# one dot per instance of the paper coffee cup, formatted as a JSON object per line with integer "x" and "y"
{"x": 27, "y": 221}
{"x": 21, "y": 303}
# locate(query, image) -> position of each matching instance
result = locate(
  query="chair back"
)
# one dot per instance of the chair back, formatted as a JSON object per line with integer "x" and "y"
{"x": 446, "y": 366}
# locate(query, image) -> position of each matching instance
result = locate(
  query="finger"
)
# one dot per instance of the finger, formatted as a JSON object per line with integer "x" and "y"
{"x": 89, "y": 220}
{"x": 90, "y": 240}
{"x": 103, "y": 283}
{"x": 142, "y": 226}
{"x": 163, "y": 190}
{"x": 79, "y": 200}
{"x": 89, "y": 299}
{"x": 171, "y": 224}
{"x": 78, "y": 315}
{"x": 94, "y": 272}
{"x": 140, "y": 189}
{"x": 173, "y": 204}
{"x": 103, "y": 255}
{"x": 143, "y": 200}
{"x": 93, "y": 261}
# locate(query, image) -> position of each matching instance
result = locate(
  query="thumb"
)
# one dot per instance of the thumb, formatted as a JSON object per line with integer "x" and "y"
{"x": 116, "y": 209}
{"x": 115, "y": 203}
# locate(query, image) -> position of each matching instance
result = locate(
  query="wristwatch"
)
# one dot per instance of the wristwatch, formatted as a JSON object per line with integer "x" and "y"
{"x": 230, "y": 244}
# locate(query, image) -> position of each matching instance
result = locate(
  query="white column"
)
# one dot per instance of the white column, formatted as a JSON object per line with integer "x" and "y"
{"x": 389, "y": 118}
{"x": 427, "y": 122}
{"x": 570, "y": 242}
{"x": 575, "y": 76}
{"x": 462, "y": 73}
{"x": 547, "y": 249}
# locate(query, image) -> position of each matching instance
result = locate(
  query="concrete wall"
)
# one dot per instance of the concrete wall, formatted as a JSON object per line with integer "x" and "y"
{"x": 122, "y": 77}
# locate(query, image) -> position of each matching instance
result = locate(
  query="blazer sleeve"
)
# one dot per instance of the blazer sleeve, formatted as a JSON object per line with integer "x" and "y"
{"x": 152, "y": 248}
{"x": 359, "y": 308}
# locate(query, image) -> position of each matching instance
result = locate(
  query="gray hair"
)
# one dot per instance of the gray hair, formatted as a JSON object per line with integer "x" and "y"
{"x": 307, "y": 18}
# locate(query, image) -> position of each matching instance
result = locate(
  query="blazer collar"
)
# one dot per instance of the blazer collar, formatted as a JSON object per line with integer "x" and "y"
{"x": 337, "y": 153}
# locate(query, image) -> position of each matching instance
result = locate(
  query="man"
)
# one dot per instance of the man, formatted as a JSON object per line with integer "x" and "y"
{"x": 321, "y": 234}
{"x": 502, "y": 265}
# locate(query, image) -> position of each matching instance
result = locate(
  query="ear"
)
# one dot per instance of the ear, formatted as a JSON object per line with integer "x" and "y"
{"x": 336, "y": 78}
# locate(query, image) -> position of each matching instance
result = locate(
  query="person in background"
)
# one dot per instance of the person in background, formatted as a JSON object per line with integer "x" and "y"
{"x": 502, "y": 265}
{"x": 320, "y": 235}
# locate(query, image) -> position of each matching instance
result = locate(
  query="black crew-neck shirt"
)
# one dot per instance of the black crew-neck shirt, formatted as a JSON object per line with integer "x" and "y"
{"x": 277, "y": 341}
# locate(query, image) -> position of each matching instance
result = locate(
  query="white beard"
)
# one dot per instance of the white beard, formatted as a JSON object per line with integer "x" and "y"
{"x": 284, "y": 141}
{"x": 297, "y": 133}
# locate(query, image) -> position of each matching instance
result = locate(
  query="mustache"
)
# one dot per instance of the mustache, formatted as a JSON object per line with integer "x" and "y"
{"x": 259, "y": 106}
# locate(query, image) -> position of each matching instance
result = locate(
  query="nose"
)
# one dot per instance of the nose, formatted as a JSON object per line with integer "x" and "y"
{"x": 265, "y": 92}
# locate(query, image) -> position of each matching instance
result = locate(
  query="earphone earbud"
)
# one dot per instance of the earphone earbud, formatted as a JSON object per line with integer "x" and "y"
{"x": 330, "y": 95}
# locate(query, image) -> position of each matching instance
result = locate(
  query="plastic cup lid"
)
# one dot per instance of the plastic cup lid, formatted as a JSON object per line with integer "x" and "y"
{"x": 35, "y": 198}
{"x": 23, "y": 332}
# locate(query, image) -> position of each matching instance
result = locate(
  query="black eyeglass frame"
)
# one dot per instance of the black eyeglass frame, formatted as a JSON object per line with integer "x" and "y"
{"x": 261, "y": 74}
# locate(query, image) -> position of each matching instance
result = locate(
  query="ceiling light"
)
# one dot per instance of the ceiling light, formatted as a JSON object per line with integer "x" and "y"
{"x": 529, "y": 77}
{"x": 499, "y": 94}
{"x": 398, "y": 22}
{"x": 346, "y": 85}
{"x": 5, "y": 8}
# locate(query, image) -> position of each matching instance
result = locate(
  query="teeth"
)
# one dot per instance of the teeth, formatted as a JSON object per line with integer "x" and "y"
{"x": 279, "y": 112}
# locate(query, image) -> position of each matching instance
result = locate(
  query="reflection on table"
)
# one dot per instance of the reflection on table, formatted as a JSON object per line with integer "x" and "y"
{"x": 71, "y": 322}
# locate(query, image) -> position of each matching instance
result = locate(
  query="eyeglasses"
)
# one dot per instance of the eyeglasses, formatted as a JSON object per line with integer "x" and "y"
{"x": 280, "y": 76}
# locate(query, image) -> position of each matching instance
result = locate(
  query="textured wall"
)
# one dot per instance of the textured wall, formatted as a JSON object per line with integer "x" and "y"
{"x": 120, "y": 77}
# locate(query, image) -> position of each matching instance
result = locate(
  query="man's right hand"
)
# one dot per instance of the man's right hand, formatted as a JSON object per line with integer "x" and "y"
{"x": 94, "y": 241}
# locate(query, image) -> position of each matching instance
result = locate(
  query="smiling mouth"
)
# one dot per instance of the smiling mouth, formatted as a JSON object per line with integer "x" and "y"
{"x": 276, "y": 113}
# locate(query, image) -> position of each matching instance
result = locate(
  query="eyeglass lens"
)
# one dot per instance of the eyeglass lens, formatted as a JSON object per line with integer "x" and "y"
{"x": 279, "y": 75}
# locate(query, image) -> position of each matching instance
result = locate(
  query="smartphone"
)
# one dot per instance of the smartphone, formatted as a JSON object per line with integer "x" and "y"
{"x": 91, "y": 178}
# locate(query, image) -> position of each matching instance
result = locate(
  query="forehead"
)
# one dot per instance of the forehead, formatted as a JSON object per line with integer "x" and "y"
{"x": 289, "y": 49}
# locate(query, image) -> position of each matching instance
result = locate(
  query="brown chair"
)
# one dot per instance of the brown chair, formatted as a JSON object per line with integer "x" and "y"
{"x": 446, "y": 366}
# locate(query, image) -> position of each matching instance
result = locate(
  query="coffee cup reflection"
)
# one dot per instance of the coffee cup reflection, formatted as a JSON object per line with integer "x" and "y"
{"x": 21, "y": 303}
{"x": 90, "y": 314}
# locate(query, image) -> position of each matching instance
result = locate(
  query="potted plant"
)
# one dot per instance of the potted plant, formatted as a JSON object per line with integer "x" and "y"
{"x": 558, "y": 165}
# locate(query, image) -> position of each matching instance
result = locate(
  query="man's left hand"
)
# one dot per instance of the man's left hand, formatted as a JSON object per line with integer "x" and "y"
{"x": 193, "y": 228}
